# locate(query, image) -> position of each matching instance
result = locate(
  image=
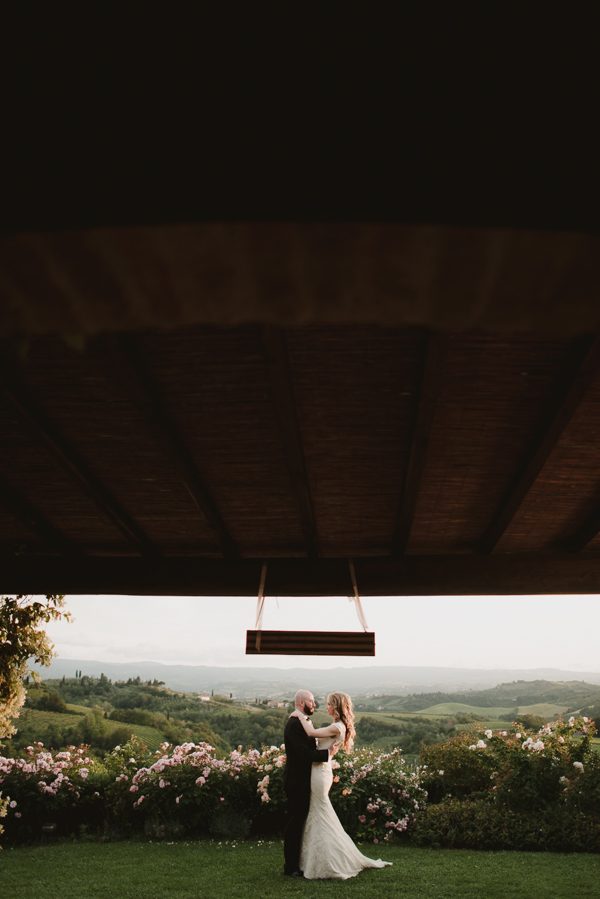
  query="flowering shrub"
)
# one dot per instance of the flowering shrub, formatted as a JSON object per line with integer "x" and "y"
{"x": 55, "y": 792}
{"x": 374, "y": 795}
{"x": 187, "y": 789}
{"x": 522, "y": 770}
{"x": 501, "y": 789}
{"x": 518, "y": 789}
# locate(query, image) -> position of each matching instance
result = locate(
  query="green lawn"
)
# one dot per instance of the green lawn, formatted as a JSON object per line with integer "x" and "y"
{"x": 132, "y": 870}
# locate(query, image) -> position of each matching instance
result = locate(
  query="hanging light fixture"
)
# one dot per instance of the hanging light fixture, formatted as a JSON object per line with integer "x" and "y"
{"x": 310, "y": 643}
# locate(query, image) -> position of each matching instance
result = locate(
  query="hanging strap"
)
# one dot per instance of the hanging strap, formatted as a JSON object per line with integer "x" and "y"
{"x": 356, "y": 598}
{"x": 260, "y": 603}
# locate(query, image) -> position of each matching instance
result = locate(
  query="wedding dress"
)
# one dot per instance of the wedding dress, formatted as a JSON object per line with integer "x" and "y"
{"x": 327, "y": 850}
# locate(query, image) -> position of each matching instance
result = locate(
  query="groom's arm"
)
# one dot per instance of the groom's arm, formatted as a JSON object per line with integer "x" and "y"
{"x": 302, "y": 747}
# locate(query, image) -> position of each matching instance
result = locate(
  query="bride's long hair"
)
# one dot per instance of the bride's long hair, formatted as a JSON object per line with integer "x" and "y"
{"x": 342, "y": 705}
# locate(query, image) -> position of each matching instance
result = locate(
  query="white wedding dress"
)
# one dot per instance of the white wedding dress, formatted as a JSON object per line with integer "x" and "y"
{"x": 327, "y": 850}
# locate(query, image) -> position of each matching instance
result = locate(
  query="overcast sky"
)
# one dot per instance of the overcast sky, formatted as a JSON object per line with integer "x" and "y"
{"x": 466, "y": 632}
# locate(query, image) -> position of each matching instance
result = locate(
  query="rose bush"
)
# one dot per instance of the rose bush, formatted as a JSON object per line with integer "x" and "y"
{"x": 188, "y": 789}
{"x": 58, "y": 792}
{"x": 514, "y": 789}
{"x": 496, "y": 789}
{"x": 374, "y": 794}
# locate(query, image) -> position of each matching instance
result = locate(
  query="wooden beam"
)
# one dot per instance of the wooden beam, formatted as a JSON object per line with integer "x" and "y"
{"x": 432, "y": 357}
{"x": 282, "y": 391}
{"x": 31, "y": 411}
{"x": 134, "y": 373}
{"x": 580, "y": 371}
{"x": 590, "y": 529}
{"x": 22, "y": 509}
{"x": 408, "y": 576}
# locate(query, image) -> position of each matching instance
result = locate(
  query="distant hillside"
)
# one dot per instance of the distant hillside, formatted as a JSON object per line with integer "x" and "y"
{"x": 535, "y": 696}
{"x": 102, "y": 713}
{"x": 283, "y": 682}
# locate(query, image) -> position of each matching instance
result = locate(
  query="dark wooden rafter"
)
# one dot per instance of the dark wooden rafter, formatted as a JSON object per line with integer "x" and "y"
{"x": 581, "y": 369}
{"x": 30, "y": 410}
{"x": 585, "y": 532}
{"x": 22, "y": 509}
{"x": 135, "y": 376}
{"x": 282, "y": 391}
{"x": 432, "y": 357}
{"x": 441, "y": 575}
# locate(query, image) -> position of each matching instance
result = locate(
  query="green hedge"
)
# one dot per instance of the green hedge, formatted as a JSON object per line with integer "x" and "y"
{"x": 480, "y": 824}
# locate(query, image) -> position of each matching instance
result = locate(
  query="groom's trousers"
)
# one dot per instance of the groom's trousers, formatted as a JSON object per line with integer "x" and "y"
{"x": 298, "y": 802}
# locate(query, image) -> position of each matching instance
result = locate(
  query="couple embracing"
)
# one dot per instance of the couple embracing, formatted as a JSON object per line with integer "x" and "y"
{"x": 316, "y": 845}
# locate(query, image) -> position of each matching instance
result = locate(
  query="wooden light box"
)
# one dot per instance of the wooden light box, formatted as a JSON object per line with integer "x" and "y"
{"x": 310, "y": 643}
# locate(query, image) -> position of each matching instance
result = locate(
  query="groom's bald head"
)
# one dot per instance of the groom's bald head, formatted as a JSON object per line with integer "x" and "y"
{"x": 305, "y": 702}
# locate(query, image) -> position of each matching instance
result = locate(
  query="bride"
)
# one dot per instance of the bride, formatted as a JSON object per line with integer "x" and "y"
{"x": 327, "y": 850}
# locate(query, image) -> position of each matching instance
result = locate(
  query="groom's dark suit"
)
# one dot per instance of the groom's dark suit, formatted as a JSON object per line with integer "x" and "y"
{"x": 301, "y": 752}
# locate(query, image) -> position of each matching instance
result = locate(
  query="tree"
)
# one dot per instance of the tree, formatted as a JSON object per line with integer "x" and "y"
{"x": 22, "y": 638}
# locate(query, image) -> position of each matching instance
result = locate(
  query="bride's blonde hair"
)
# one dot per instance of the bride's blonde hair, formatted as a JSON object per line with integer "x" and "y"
{"x": 342, "y": 705}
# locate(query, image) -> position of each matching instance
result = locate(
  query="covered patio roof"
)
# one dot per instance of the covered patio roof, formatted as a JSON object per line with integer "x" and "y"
{"x": 181, "y": 403}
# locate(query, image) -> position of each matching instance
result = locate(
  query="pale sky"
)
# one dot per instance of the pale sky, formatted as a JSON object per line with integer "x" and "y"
{"x": 447, "y": 631}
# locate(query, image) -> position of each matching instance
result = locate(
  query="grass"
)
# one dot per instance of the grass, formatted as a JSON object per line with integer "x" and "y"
{"x": 132, "y": 870}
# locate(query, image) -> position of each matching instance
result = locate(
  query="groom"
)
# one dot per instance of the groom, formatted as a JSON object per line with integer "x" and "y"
{"x": 301, "y": 752}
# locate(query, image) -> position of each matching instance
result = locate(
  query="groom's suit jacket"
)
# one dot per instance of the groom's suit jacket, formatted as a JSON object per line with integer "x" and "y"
{"x": 301, "y": 751}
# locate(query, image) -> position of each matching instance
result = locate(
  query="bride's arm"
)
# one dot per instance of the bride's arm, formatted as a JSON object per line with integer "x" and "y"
{"x": 330, "y": 730}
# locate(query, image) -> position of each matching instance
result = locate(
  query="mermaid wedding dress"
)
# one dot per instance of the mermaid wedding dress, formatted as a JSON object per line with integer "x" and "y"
{"x": 327, "y": 850}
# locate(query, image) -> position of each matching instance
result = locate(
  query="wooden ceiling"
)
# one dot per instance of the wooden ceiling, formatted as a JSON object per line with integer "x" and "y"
{"x": 181, "y": 403}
